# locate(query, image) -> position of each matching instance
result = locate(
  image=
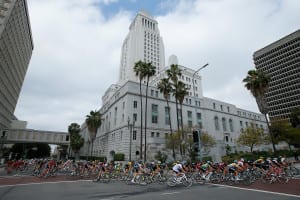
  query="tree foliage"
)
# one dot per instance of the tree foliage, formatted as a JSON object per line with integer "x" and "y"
{"x": 284, "y": 131}
{"x": 251, "y": 137}
{"x": 76, "y": 140}
{"x": 30, "y": 150}
{"x": 295, "y": 117}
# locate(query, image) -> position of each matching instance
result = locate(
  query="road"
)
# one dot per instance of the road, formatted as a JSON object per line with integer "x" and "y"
{"x": 86, "y": 189}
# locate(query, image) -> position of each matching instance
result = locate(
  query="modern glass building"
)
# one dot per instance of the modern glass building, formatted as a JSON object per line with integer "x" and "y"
{"x": 281, "y": 61}
{"x": 16, "y": 46}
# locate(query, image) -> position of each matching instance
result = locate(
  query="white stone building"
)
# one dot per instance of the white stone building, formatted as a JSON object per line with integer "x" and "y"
{"x": 121, "y": 103}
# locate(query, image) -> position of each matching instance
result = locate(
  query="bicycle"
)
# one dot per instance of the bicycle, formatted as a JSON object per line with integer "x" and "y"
{"x": 182, "y": 179}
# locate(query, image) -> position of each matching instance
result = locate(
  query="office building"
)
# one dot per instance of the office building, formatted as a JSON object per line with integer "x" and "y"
{"x": 281, "y": 61}
{"x": 144, "y": 43}
{"x": 16, "y": 46}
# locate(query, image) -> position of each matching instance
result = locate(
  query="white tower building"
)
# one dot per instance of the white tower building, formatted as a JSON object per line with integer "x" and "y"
{"x": 144, "y": 43}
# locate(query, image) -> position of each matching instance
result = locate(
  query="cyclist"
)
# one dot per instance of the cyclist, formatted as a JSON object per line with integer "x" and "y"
{"x": 179, "y": 170}
{"x": 137, "y": 170}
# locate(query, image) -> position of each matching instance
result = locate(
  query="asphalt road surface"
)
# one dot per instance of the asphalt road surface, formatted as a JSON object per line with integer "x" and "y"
{"x": 86, "y": 189}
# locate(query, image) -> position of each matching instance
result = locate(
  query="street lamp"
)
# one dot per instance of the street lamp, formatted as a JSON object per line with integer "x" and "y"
{"x": 130, "y": 127}
{"x": 198, "y": 131}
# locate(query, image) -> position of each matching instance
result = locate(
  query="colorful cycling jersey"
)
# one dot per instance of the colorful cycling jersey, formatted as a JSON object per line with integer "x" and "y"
{"x": 205, "y": 166}
{"x": 177, "y": 168}
{"x": 240, "y": 163}
{"x": 259, "y": 161}
{"x": 233, "y": 165}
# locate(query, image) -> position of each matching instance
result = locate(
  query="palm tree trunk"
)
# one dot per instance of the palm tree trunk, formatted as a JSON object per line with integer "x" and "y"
{"x": 92, "y": 150}
{"x": 173, "y": 146}
{"x": 182, "y": 133}
{"x": 271, "y": 134}
{"x": 141, "y": 139}
{"x": 146, "y": 107}
{"x": 178, "y": 129}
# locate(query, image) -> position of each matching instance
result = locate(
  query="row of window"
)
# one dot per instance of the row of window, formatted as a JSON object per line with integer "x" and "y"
{"x": 250, "y": 115}
{"x": 147, "y": 23}
{"x": 224, "y": 124}
{"x": 276, "y": 51}
{"x": 221, "y": 107}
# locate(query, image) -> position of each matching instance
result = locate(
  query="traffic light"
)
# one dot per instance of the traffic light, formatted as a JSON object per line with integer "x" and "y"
{"x": 195, "y": 137}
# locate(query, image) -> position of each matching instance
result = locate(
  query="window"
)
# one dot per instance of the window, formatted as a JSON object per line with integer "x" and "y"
{"x": 224, "y": 124}
{"x": 199, "y": 122}
{"x": 152, "y": 134}
{"x": 214, "y": 105}
{"x": 228, "y": 109}
{"x": 217, "y": 123}
{"x": 135, "y": 117}
{"x": 231, "y": 125}
{"x": 190, "y": 120}
{"x": 167, "y": 115}
{"x": 115, "y": 116}
{"x": 157, "y": 134}
{"x": 221, "y": 107}
{"x": 241, "y": 123}
{"x": 152, "y": 93}
{"x": 156, "y": 93}
{"x": 134, "y": 135}
{"x": 154, "y": 114}
{"x": 134, "y": 104}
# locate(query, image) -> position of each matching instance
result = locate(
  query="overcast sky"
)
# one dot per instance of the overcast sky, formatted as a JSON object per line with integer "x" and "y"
{"x": 77, "y": 47}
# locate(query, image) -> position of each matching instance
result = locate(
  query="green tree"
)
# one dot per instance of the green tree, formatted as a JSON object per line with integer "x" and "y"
{"x": 93, "y": 122}
{"x": 295, "y": 117}
{"x": 165, "y": 88}
{"x": 251, "y": 137}
{"x": 139, "y": 69}
{"x": 173, "y": 73}
{"x": 173, "y": 140}
{"x": 76, "y": 141}
{"x": 258, "y": 83}
{"x": 181, "y": 92}
{"x": 149, "y": 72}
{"x": 207, "y": 141}
{"x": 283, "y": 131}
{"x": 30, "y": 150}
{"x": 162, "y": 157}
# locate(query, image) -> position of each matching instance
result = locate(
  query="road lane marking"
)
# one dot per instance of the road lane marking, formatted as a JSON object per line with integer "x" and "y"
{"x": 169, "y": 193}
{"x": 257, "y": 190}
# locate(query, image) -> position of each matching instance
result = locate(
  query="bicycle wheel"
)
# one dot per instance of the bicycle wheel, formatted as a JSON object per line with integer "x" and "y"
{"x": 246, "y": 180}
{"x": 171, "y": 181}
{"x": 283, "y": 178}
{"x": 187, "y": 182}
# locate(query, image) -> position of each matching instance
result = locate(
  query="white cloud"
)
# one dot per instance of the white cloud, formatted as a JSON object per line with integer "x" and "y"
{"x": 77, "y": 51}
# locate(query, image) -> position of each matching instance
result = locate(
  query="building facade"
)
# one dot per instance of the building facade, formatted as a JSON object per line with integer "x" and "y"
{"x": 221, "y": 120}
{"x": 16, "y": 46}
{"x": 144, "y": 43}
{"x": 121, "y": 106}
{"x": 281, "y": 61}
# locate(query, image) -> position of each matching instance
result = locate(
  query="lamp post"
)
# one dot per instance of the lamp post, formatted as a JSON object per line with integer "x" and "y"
{"x": 130, "y": 127}
{"x": 198, "y": 131}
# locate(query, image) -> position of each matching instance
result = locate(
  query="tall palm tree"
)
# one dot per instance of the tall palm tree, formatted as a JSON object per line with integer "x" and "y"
{"x": 258, "y": 83}
{"x": 139, "y": 69}
{"x": 173, "y": 73}
{"x": 182, "y": 91}
{"x": 149, "y": 72}
{"x": 93, "y": 122}
{"x": 165, "y": 87}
